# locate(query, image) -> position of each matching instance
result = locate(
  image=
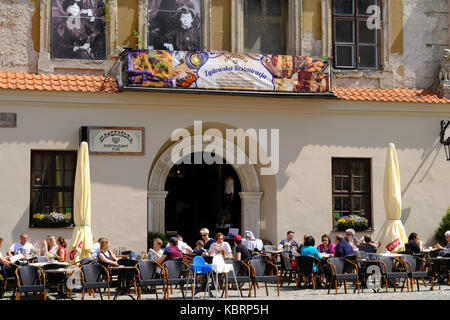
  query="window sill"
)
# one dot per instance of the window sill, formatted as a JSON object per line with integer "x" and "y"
{"x": 52, "y": 227}
{"x": 357, "y": 73}
{"x": 370, "y": 229}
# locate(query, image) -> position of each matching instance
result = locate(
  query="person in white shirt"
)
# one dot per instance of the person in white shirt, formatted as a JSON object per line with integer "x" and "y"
{"x": 220, "y": 247}
{"x": 183, "y": 246}
{"x": 49, "y": 246}
{"x": 23, "y": 247}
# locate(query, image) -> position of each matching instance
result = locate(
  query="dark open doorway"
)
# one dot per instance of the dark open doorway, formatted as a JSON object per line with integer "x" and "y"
{"x": 199, "y": 196}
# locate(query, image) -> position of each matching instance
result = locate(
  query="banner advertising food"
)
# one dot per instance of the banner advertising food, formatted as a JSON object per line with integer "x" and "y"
{"x": 227, "y": 71}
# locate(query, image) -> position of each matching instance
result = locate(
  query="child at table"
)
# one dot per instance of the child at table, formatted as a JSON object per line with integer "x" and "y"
{"x": 199, "y": 250}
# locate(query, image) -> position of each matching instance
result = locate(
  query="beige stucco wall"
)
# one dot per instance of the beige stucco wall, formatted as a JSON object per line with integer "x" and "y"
{"x": 311, "y": 133}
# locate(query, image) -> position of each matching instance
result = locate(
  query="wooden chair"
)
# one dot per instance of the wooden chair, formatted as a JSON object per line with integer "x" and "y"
{"x": 148, "y": 277}
{"x": 286, "y": 269}
{"x": 241, "y": 275}
{"x": 265, "y": 271}
{"x": 95, "y": 276}
{"x": 305, "y": 270}
{"x": 173, "y": 276}
{"x": 30, "y": 279}
{"x": 390, "y": 272}
{"x": 418, "y": 268}
{"x": 338, "y": 267}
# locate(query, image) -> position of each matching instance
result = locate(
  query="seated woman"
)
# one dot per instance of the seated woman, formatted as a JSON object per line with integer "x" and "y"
{"x": 326, "y": 246}
{"x": 350, "y": 237}
{"x": 106, "y": 257}
{"x": 61, "y": 253}
{"x": 367, "y": 245}
{"x": 49, "y": 246}
{"x": 413, "y": 245}
{"x": 156, "y": 252}
{"x": 309, "y": 250}
{"x": 220, "y": 246}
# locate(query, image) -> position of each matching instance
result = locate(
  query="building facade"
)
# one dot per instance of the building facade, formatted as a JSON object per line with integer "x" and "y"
{"x": 332, "y": 146}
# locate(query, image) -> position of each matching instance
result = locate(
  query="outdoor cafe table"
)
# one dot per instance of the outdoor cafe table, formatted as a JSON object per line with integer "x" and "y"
{"x": 125, "y": 274}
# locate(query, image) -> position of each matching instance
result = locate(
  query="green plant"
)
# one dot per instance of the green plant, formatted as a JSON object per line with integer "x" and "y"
{"x": 153, "y": 235}
{"x": 139, "y": 43}
{"x": 107, "y": 10}
{"x": 443, "y": 227}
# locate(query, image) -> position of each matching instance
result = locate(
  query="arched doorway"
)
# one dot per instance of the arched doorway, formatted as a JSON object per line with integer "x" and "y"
{"x": 250, "y": 195}
{"x": 202, "y": 195}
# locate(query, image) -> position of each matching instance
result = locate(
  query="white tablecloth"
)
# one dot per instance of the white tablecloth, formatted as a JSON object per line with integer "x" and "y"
{"x": 253, "y": 244}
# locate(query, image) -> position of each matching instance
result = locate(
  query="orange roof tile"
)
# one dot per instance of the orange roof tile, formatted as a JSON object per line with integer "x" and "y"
{"x": 56, "y": 82}
{"x": 91, "y": 83}
{"x": 389, "y": 95}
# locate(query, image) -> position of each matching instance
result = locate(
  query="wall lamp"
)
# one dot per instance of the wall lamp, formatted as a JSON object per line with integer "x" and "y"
{"x": 445, "y": 142}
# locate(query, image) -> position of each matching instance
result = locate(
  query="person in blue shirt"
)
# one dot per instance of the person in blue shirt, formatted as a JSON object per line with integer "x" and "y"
{"x": 96, "y": 248}
{"x": 309, "y": 250}
{"x": 343, "y": 248}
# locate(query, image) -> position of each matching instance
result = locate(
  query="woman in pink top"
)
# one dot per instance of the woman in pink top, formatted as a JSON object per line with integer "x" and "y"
{"x": 326, "y": 246}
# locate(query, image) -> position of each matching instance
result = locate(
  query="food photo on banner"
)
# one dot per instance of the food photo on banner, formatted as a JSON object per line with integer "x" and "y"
{"x": 227, "y": 71}
{"x": 174, "y": 25}
{"x": 78, "y": 29}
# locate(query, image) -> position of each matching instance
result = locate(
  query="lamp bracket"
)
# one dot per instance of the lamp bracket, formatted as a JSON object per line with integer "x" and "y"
{"x": 444, "y": 126}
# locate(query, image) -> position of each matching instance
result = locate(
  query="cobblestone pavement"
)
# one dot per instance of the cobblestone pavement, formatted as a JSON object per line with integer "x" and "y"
{"x": 286, "y": 293}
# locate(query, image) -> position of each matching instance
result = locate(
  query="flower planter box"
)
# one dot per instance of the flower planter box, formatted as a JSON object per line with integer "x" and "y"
{"x": 50, "y": 225}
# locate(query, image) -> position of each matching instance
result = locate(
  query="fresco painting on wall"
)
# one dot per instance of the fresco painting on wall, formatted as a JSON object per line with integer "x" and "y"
{"x": 174, "y": 25}
{"x": 78, "y": 29}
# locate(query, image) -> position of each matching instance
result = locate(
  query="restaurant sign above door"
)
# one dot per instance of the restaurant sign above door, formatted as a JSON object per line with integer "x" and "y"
{"x": 114, "y": 140}
{"x": 226, "y": 71}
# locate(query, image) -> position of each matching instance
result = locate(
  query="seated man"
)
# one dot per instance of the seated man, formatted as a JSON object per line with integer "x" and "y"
{"x": 288, "y": 242}
{"x": 447, "y": 237}
{"x": 183, "y": 246}
{"x": 343, "y": 248}
{"x": 242, "y": 253}
{"x": 171, "y": 252}
{"x": 22, "y": 247}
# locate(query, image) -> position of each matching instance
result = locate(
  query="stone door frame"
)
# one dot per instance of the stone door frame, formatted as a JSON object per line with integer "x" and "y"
{"x": 248, "y": 177}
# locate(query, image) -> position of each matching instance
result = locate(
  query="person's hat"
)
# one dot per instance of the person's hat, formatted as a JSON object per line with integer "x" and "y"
{"x": 237, "y": 238}
{"x": 173, "y": 240}
{"x": 350, "y": 231}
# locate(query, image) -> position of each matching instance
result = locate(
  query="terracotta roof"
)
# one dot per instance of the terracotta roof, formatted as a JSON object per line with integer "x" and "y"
{"x": 389, "y": 95}
{"x": 56, "y": 82}
{"x": 91, "y": 83}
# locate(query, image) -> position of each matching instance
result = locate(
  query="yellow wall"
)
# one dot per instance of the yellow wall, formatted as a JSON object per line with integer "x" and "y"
{"x": 396, "y": 25}
{"x": 127, "y": 17}
{"x": 35, "y": 22}
{"x": 221, "y": 25}
{"x": 312, "y": 18}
